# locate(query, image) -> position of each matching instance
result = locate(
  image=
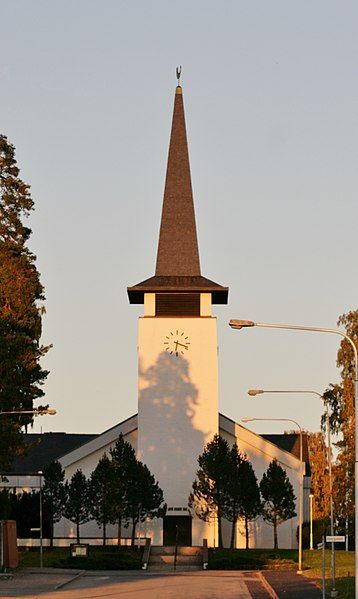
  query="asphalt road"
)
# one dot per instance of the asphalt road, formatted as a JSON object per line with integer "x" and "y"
{"x": 194, "y": 585}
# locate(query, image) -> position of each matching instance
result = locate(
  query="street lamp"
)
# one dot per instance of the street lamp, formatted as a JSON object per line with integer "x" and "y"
{"x": 239, "y": 324}
{"x": 311, "y": 521}
{"x": 35, "y": 412}
{"x": 300, "y": 507}
{"x": 40, "y": 473}
{"x": 253, "y": 393}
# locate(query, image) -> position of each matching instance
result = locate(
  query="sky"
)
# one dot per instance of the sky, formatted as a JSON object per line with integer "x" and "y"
{"x": 271, "y": 95}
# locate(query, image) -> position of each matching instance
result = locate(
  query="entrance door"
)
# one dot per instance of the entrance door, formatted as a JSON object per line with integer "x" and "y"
{"x": 177, "y": 530}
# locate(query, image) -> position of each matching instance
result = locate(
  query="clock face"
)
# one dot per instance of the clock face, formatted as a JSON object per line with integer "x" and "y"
{"x": 176, "y": 343}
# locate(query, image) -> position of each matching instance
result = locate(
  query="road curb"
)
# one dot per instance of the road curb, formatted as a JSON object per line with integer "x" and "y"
{"x": 267, "y": 586}
{"x": 63, "y": 584}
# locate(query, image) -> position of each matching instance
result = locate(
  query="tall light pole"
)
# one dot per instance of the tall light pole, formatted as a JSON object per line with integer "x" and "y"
{"x": 311, "y": 521}
{"x": 40, "y": 473}
{"x": 254, "y": 392}
{"x": 300, "y": 501}
{"x": 239, "y": 324}
{"x": 34, "y": 412}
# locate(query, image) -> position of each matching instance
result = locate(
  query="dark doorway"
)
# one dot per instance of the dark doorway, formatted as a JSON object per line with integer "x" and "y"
{"x": 177, "y": 530}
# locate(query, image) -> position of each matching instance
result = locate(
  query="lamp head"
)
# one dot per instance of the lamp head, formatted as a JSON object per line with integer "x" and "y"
{"x": 247, "y": 419}
{"x": 240, "y": 324}
{"x": 254, "y": 392}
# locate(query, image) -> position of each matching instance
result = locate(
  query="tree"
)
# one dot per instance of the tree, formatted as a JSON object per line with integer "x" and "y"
{"x": 77, "y": 501}
{"x": 144, "y": 497}
{"x": 21, "y": 375}
{"x": 54, "y": 494}
{"x": 250, "y": 506}
{"x": 278, "y": 497}
{"x": 209, "y": 493}
{"x": 340, "y": 398}
{"x": 101, "y": 496}
{"x": 233, "y": 489}
{"x": 123, "y": 462}
{"x": 320, "y": 486}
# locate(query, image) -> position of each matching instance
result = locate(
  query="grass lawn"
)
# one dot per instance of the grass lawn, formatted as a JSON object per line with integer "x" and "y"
{"x": 99, "y": 558}
{"x": 344, "y": 570}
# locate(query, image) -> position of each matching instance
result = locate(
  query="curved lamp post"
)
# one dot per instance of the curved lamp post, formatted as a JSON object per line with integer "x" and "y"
{"x": 240, "y": 324}
{"x": 300, "y": 508}
{"x": 35, "y": 412}
{"x": 253, "y": 393}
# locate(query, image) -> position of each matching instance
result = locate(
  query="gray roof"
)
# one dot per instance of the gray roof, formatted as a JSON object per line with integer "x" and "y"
{"x": 45, "y": 448}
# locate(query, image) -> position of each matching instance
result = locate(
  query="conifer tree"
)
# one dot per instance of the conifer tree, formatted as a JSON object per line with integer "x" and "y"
{"x": 101, "y": 496}
{"x": 251, "y": 505}
{"x": 278, "y": 497}
{"x": 209, "y": 495}
{"x": 124, "y": 464}
{"x": 144, "y": 497}
{"x": 54, "y": 494}
{"x": 21, "y": 375}
{"x": 77, "y": 501}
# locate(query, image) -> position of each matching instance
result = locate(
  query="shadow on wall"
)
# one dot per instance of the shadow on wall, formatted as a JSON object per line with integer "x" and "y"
{"x": 169, "y": 438}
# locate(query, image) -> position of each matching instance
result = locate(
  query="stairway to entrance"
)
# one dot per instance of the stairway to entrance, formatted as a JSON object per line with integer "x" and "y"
{"x": 187, "y": 558}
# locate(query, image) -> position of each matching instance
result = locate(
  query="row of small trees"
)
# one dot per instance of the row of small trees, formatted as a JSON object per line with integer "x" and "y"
{"x": 121, "y": 490}
{"x": 226, "y": 487}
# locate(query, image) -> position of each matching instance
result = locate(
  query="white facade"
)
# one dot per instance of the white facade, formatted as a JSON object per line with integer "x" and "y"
{"x": 177, "y": 405}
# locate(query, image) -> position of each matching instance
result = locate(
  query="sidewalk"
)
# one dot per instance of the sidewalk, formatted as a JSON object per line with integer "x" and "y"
{"x": 290, "y": 585}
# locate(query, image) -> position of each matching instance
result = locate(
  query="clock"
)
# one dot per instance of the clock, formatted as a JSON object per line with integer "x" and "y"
{"x": 176, "y": 343}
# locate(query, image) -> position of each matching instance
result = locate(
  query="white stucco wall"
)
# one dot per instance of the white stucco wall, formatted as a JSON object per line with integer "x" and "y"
{"x": 177, "y": 404}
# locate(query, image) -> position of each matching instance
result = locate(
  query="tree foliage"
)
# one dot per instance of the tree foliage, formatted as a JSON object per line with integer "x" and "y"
{"x": 54, "y": 494}
{"x": 144, "y": 497}
{"x": 123, "y": 462}
{"x": 77, "y": 505}
{"x": 209, "y": 494}
{"x": 21, "y": 375}
{"x": 320, "y": 485}
{"x": 340, "y": 398}
{"x": 278, "y": 497}
{"x": 250, "y": 507}
{"x": 101, "y": 496}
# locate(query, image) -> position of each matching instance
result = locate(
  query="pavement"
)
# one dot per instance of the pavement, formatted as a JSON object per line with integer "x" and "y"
{"x": 51, "y": 583}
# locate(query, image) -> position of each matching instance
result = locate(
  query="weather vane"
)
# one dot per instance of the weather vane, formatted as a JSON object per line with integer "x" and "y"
{"x": 178, "y": 74}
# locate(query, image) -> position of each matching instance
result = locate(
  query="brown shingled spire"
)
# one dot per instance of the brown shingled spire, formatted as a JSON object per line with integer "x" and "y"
{"x": 178, "y": 252}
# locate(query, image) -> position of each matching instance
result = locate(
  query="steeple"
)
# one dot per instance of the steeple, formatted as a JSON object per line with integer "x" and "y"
{"x": 178, "y": 265}
{"x": 178, "y": 252}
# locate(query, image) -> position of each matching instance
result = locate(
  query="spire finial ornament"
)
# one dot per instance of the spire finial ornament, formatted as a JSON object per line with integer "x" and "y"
{"x": 179, "y": 74}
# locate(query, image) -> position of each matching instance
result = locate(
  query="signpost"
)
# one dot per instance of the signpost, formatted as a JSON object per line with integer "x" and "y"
{"x": 322, "y": 547}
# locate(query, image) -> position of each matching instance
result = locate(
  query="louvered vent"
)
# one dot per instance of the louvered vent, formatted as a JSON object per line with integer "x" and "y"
{"x": 177, "y": 304}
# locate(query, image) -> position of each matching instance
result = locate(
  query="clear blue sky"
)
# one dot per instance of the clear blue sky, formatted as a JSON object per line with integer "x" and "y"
{"x": 270, "y": 91}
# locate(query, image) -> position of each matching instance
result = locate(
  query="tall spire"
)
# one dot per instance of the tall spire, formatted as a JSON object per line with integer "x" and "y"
{"x": 178, "y": 252}
{"x": 178, "y": 265}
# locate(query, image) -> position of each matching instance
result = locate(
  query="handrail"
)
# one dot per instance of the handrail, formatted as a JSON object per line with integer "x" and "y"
{"x": 205, "y": 554}
{"x": 146, "y": 553}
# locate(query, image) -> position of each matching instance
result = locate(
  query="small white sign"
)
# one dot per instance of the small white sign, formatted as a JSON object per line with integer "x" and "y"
{"x": 337, "y": 539}
{"x": 320, "y": 546}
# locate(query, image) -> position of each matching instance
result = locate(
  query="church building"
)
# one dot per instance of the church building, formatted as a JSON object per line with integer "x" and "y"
{"x": 178, "y": 403}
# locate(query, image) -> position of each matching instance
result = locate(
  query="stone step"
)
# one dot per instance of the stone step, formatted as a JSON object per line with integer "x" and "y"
{"x": 170, "y": 568}
{"x": 170, "y": 550}
{"x": 181, "y": 559}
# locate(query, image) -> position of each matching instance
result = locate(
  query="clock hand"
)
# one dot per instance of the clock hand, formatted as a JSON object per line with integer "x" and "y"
{"x": 182, "y": 344}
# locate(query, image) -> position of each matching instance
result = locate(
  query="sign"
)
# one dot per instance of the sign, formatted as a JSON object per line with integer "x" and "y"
{"x": 79, "y": 549}
{"x": 35, "y": 529}
{"x": 320, "y": 546}
{"x": 336, "y": 539}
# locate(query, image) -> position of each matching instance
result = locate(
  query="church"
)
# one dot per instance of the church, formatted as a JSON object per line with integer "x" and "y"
{"x": 178, "y": 403}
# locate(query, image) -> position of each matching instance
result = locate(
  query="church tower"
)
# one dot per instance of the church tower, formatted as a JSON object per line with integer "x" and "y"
{"x": 177, "y": 351}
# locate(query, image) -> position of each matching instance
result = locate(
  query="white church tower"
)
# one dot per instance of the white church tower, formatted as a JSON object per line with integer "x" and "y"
{"x": 177, "y": 351}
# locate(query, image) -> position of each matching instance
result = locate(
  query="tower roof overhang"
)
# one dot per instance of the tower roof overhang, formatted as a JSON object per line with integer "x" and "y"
{"x": 171, "y": 284}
